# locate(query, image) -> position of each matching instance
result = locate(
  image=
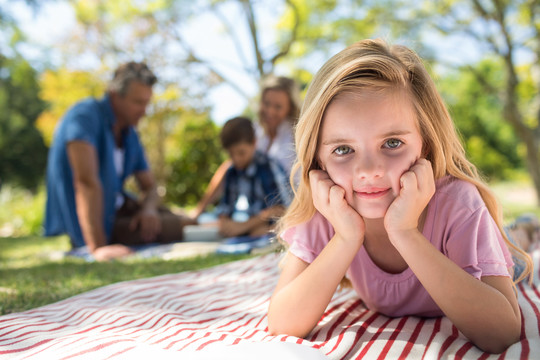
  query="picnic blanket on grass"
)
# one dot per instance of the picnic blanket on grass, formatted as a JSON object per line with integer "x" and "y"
{"x": 220, "y": 313}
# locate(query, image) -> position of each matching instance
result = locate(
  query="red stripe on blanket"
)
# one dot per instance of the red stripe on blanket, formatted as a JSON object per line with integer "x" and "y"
{"x": 372, "y": 340}
{"x": 122, "y": 352}
{"x": 412, "y": 339}
{"x": 436, "y": 329}
{"x": 529, "y": 300}
{"x": 393, "y": 337}
{"x": 338, "y": 321}
{"x": 212, "y": 341}
{"x": 360, "y": 332}
{"x": 325, "y": 316}
{"x": 448, "y": 341}
{"x": 5, "y": 352}
{"x": 94, "y": 348}
{"x": 524, "y": 342}
{"x": 461, "y": 352}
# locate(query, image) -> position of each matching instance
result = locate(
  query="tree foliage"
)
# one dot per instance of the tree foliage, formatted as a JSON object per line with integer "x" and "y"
{"x": 194, "y": 154}
{"x": 489, "y": 141}
{"x": 509, "y": 32}
{"x": 22, "y": 151}
{"x": 61, "y": 89}
{"x": 493, "y": 91}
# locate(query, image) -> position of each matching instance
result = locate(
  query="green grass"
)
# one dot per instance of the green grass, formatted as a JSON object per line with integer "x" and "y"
{"x": 33, "y": 273}
{"x": 30, "y": 276}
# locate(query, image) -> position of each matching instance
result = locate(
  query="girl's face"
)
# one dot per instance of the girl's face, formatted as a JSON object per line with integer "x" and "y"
{"x": 367, "y": 142}
{"x": 275, "y": 107}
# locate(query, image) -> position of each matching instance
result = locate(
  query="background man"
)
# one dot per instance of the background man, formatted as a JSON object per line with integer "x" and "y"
{"x": 94, "y": 150}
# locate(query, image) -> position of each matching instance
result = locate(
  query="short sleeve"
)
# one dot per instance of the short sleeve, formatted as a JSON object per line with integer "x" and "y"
{"x": 81, "y": 125}
{"x": 477, "y": 246}
{"x": 307, "y": 240}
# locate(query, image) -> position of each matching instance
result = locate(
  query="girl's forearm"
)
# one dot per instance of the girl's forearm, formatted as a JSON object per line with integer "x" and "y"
{"x": 297, "y": 306}
{"x": 487, "y": 315}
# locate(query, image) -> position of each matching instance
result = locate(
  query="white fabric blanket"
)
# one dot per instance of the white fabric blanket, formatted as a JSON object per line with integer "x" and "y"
{"x": 220, "y": 313}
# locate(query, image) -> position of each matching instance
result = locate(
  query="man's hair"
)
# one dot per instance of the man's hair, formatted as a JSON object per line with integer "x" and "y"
{"x": 126, "y": 73}
{"x": 237, "y": 130}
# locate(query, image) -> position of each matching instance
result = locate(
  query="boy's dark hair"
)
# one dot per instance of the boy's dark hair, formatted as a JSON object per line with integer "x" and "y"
{"x": 237, "y": 130}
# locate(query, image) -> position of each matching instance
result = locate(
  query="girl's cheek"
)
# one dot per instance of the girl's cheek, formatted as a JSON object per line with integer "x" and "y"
{"x": 396, "y": 170}
{"x": 341, "y": 175}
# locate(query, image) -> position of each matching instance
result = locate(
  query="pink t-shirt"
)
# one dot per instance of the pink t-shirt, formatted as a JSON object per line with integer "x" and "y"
{"x": 458, "y": 224}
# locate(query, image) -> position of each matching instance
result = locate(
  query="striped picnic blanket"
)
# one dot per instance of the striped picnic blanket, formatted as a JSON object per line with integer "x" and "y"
{"x": 199, "y": 314}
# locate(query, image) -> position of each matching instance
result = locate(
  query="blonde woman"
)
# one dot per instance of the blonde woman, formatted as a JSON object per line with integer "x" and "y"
{"x": 388, "y": 200}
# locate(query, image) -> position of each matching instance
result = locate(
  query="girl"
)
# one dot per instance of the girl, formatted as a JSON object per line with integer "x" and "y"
{"x": 388, "y": 199}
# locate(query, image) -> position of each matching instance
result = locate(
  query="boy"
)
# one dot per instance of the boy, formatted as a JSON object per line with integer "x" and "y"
{"x": 255, "y": 185}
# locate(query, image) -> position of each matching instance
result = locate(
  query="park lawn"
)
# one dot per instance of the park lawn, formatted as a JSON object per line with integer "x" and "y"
{"x": 32, "y": 274}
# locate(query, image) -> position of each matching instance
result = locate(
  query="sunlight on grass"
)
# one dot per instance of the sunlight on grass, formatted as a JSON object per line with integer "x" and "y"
{"x": 28, "y": 251}
{"x": 517, "y": 197}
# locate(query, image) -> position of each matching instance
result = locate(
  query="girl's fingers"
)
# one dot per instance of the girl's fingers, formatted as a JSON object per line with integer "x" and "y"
{"x": 336, "y": 194}
{"x": 408, "y": 181}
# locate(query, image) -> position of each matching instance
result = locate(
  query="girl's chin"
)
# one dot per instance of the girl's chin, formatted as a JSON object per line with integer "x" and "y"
{"x": 372, "y": 212}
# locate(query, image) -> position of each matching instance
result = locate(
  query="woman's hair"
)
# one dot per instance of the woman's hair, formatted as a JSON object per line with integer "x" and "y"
{"x": 129, "y": 72}
{"x": 374, "y": 66}
{"x": 287, "y": 85}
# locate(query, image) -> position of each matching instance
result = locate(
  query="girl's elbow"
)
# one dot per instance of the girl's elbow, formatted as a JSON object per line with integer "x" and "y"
{"x": 282, "y": 326}
{"x": 498, "y": 344}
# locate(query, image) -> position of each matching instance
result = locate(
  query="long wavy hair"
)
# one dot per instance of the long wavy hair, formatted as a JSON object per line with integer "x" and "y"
{"x": 375, "y": 66}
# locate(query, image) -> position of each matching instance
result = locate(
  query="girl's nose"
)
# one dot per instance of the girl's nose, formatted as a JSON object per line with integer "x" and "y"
{"x": 367, "y": 166}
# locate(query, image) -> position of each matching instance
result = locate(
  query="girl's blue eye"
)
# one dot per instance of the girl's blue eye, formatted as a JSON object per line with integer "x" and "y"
{"x": 393, "y": 143}
{"x": 342, "y": 150}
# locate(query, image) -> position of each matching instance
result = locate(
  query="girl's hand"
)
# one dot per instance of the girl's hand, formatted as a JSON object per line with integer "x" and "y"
{"x": 329, "y": 200}
{"x": 417, "y": 188}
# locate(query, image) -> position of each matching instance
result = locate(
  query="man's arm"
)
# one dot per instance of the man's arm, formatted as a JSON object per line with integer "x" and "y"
{"x": 89, "y": 201}
{"x": 148, "y": 217}
{"x": 88, "y": 193}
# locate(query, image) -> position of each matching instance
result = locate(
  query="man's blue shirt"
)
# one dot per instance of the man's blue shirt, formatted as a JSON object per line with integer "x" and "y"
{"x": 91, "y": 121}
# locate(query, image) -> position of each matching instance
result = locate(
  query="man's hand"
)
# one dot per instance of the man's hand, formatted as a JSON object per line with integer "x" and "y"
{"x": 110, "y": 252}
{"x": 148, "y": 223}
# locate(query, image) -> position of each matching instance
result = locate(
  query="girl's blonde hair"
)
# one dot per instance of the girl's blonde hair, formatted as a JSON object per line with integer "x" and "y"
{"x": 373, "y": 65}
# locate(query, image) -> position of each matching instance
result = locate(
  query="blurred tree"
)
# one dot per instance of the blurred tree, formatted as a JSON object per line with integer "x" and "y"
{"x": 193, "y": 155}
{"x": 23, "y": 154}
{"x": 508, "y": 31}
{"x": 489, "y": 140}
{"x": 61, "y": 89}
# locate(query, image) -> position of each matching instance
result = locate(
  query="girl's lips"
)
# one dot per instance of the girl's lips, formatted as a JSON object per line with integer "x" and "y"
{"x": 372, "y": 193}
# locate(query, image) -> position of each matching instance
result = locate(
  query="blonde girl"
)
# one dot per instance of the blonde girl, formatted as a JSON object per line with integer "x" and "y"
{"x": 388, "y": 200}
